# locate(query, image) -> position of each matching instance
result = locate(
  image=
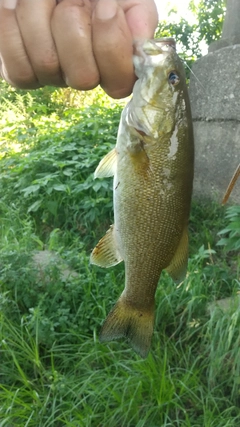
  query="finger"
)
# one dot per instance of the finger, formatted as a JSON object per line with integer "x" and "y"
{"x": 34, "y": 20}
{"x": 142, "y": 18}
{"x": 71, "y": 26}
{"x": 112, "y": 44}
{"x": 16, "y": 68}
{"x": 1, "y": 68}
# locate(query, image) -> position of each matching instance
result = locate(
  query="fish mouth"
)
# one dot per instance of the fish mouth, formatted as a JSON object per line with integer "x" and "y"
{"x": 166, "y": 41}
{"x": 153, "y": 47}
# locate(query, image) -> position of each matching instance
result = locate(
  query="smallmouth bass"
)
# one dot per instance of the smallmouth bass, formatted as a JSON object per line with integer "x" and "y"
{"x": 152, "y": 165}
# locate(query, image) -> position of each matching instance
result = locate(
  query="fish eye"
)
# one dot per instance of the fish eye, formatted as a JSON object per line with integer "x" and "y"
{"x": 173, "y": 78}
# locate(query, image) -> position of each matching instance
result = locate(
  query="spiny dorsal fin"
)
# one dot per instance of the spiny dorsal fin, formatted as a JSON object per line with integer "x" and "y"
{"x": 106, "y": 253}
{"x": 107, "y": 165}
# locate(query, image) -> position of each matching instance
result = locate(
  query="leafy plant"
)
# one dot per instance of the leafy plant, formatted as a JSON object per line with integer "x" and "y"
{"x": 230, "y": 235}
{"x": 209, "y": 16}
{"x": 57, "y": 188}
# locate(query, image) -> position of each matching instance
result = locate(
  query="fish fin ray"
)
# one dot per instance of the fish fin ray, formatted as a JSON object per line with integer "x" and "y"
{"x": 107, "y": 165}
{"x": 125, "y": 321}
{"x": 178, "y": 266}
{"x": 106, "y": 253}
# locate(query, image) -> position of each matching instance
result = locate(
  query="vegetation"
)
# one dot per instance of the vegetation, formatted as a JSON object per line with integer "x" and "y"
{"x": 192, "y": 37}
{"x": 54, "y": 372}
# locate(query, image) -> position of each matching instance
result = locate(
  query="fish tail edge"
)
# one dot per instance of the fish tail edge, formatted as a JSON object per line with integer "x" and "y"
{"x": 126, "y": 321}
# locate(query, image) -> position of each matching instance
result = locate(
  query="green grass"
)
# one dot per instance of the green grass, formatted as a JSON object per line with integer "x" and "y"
{"x": 54, "y": 372}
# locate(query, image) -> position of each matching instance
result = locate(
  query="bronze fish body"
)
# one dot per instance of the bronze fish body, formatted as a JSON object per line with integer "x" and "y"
{"x": 152, "y": 165}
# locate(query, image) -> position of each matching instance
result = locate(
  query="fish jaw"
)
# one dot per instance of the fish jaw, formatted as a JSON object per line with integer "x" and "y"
{"x": 149, "y": 53}
{"x": 152, "y": 63}
{"x": 157, "y": 106}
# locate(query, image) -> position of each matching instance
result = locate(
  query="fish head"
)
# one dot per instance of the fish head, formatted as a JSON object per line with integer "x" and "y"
{"x": 159, "y": 69}
{"x": 161, "y": 83}
{"x": 149, "y": 53}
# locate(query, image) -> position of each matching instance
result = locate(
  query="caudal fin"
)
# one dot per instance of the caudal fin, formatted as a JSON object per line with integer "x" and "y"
{"x": 134, "y": 324}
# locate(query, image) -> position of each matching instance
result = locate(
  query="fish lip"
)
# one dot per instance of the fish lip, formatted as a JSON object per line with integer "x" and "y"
{"x": 140, "y": 48}
{"x": 166, "y": 41}
{"x": 144, "y": 49}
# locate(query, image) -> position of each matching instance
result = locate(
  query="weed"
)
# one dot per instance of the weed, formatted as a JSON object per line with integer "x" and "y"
{"x": 231, "y": 241}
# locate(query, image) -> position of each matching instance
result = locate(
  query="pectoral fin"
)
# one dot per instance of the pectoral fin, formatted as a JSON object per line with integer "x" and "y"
{"x": 106, "y": 253}
{"x": 178, "y": 267}
{"x": 107, "y": 165}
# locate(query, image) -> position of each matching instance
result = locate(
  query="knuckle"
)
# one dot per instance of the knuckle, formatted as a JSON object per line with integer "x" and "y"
{"x": 47, "y": 65}
{"x": 83, "y": 83}
{"x": 118, "y": 93}
{"x": 21, "y": 81}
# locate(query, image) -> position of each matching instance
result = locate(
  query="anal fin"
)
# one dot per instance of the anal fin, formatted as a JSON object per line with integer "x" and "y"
{"x": 106, "y": 253}
{"x": 178, "y": 266}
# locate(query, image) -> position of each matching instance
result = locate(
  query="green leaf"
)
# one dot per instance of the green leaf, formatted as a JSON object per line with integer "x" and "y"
{"x": 52, "y": 207}
{"x": 60, "y": 187}
{"x": 35, "y": 206}
{"x": 30, "y": 190}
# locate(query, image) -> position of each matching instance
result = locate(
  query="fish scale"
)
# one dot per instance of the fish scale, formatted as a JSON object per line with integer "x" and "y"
{"x": 152, "y": 165}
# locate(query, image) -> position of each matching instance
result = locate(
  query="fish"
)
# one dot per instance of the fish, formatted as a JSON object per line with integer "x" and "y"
{"x": 152, "y": 168}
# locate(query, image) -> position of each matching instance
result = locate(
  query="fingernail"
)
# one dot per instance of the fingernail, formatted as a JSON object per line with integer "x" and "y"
{"x": 9, "y": 4}
{"x": 106, "y": 9}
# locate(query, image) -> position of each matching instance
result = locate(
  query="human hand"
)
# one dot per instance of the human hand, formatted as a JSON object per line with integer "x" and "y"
{"x": 77, "y": 43}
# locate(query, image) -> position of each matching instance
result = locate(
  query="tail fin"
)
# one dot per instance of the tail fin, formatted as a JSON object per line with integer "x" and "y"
{"x": 134, "y": 324}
